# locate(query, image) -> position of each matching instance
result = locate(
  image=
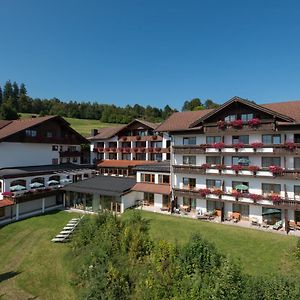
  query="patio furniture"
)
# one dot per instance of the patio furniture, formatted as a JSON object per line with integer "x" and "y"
{"x": 278, "y": 225}
{"x": 254, "y": 222}
{"x": 265, "y": 224}
{"x": 292, "y": 225}
{"x": 235, "y": 217}
{"x": 176, "y": 210}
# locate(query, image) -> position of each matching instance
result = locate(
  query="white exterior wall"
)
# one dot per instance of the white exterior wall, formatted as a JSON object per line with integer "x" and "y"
{"x": 255, "y": 211}
{"x": 129, "y": 199}
{"x": 158, "y": 200}
{"x": 26, "y": 154}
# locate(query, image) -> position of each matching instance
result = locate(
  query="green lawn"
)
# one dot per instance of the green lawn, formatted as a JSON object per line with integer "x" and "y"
{"x": 258, "y": 252}
{"x": 39, "y": 268}
{"x": 83, "y": 126}
{"x": 42, "y": 269}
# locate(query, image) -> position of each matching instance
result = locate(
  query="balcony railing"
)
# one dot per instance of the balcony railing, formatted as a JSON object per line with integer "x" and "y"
{"x": 69, "y": 153}
{"x": 138, "y": 138}
{"x": 131, "y": 150}
{"x": 271, "y": 200}
{"x": 254, "y": 149}
{"x": 32, "y": 195}
{"x": 237, "y": 171}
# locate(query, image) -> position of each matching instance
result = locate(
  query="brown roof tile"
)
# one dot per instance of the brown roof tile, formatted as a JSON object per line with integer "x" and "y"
{"x": 288, "y": 108}
{"x": 6, "y": 202}
{"x": 106, "y": 132}
{"x": 182, "y": 120}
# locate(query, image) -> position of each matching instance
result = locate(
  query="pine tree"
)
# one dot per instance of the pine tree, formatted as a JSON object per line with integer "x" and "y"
{"x": 7, "y": 91}
{"x": 22, "y": 90}
{"x": 1, "y": 96}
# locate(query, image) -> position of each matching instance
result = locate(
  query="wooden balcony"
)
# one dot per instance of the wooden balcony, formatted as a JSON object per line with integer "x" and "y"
{"x": 188, "y": 149}
{"x": 227, "y": 171}
{"x": 214, "y": 128}
{"x": 243, "y": 199}
{"x": 33, "y": 195}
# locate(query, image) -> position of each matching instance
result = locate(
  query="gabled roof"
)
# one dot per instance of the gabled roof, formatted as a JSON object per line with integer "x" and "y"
{"x": 160, "y": 167}
{"x": 106, "y": 132}
{"x": 109, "y": 132}
{"x": 246, "y": 102}
{"x": 180, "y": 121}
{"x": 12, "y": 127}
{"x": 164, "y": 189}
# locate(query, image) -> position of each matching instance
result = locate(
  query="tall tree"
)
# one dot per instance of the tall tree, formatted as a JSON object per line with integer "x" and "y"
{"x": 8, "y": 113}
{"x": 23, "y": 90}
{"x": 210, "y": 104}
{"x": 194, "y": 104}
{"x": 1, "y": 96}
{"x": 7, "y": 91}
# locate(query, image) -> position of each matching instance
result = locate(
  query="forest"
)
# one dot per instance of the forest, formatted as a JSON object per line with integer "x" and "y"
{"x": 14, "y": 99}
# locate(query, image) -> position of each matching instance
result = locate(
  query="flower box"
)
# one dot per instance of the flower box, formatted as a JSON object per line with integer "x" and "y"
{"x": 236, "y": 194}
{"x": 154, "y": 137}
{"x": 138, "y": 137}
{"x": 221, "y": 124}
{"x": 205, "y": 166}
{"x": 255, "y": 122}
{"x": 256, "y": 145}
{"x": 290, "y": 146}
{"x": 219, "y": 146}
{"x": 238, "y": 146}
{"x": 274, "y": 198}
{"x": 276, "y": 170}
{"x": 142, "y": 149}
{"x": 217, "y": 192}
{"x": 135, "y": 149}
{"x": 236, "y": 168}
{"x": 157, "y": 149}
{"x": 255, "y": 197}
{"x": 124, "y": 138}
{"x": 220, "y": 167}
{"x": 238, "y": 124}
{"x": 127, "y": 150}
{"x": 204, "y": 192}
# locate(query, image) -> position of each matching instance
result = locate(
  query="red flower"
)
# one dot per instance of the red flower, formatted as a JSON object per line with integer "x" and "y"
{"x": 239, "y": 145}
{"x": 254, "y": 168}
{"x": 217, "y": 192}
{"x": 257, "y": 145}
{"x": 142, "y": 149}
{"x": 236, "y": 194}
{"x": 205, "y": 166}
{"x": 236, "y": 168}
{"x": 138, "y": 137}
{"x": 276, "y": 170}
{"x": 237, "y": 123}
{"x": 204, "y": 192}
{"x": 154, "y": 137}
{"x": 157, "y": 149}
{"x": 290, "y": 146}
{"x": 150, "y": 150}
{"x": 255, "y": 197}
{"x": 275, "y": 198}
{"x": 127, "y": 149}
{"x": 254, "y": 122}
{"x": 219, "y": 146}
{"x": 220, "y": 167}
{"x": 135, "y": 149}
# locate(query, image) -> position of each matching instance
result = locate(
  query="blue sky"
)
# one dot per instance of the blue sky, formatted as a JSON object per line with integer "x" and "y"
{"x": 154, "y": 52}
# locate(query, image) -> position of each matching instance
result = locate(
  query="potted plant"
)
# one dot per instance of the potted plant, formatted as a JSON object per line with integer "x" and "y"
{"x": 205, "y": 166}
{"x": 154, "y": 137}
{"x": 254, "y": 169}
{"x": 138, "y": 137}
{"x": 142, "y": 149}
{"x": 236, "y": 168}
{"x": 276, "y": 171}
{"x": 204, "y": 192}
{"x": 127, "y": 150}
{"x": 150, "y": 150}
{"x": 254, "y": 123}
{"x": 291, "y": 146}
{"x": 157, "y": 149}
{"x": 219, "y": 146}
{"x": 274, "y": 198}
{"x": 256, "y": 145}
{"x": 135, "y": 149}
{"x": 238, "y": 146}
{"x": 238, "y": 124}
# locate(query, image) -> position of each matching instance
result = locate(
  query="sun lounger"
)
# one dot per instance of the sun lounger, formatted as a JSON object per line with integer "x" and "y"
{"x": 278, "y": 225}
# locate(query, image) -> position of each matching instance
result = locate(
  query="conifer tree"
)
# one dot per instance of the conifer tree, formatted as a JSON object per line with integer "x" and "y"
{"x": 7, "y": 91}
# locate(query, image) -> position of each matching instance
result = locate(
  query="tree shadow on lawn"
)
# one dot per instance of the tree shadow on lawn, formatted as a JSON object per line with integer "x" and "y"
{"x": 8, "y": 275}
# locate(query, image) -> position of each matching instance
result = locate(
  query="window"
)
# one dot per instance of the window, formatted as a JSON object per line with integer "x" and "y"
{"x": 270, "y": 161}
{"x": 54, "y": 161}
{"x": 2, "y": 212}
{"x": 54, "y": 147}
{"x": 112, "y": 155}
{"x": 240, "y": 139}
{"x": 189, "y": 160}
{"x": 212, "y": 183}
{"x": 213, "y": 139}
{"x": 147, "y": 177}
{"x": 230, "y": 118}
{"x": 297, "y": 162}
{"x": 246, "y": 117}
{"x": 271, "y": 139}
{"x": 270, "y": 188}
{"x": 297, "y": 190}
{"x": 165, "y": 201}
{"x": 189, "y": 182}
{"x": 74, "y": 160}
{"x": 72, "y": 148}
{"x": 213, "y": 160}
{"x": 241, "y": 160}
{"x": 189, "y": 140}
{"x": 31, "y": 133}
{"x": 49, "y": 134}
{"x": 165, "y": 179}
{"x": 296, "y": 138}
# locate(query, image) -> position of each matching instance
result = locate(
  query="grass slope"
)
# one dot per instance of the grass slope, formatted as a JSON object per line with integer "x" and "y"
{"x": 83, "y": 126}
{"x": 258, "y": 252}
{"x": 42, "y": 269}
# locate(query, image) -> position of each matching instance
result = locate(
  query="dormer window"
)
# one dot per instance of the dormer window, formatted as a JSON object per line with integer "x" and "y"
{"x": 230, "y": 118}
{"x": 246, "y": 117}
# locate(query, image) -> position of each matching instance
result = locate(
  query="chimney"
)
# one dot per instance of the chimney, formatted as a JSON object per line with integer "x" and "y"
{"x": 94, "y": 132}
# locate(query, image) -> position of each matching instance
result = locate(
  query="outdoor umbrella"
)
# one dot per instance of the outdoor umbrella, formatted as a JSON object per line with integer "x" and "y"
{"x": 271, "y": 211}
{"x": 66, "y": 180}
{"x": 243, "y": 160}
{"x": 17, "y": 187}
{"x": 36, "y": 185}
{"x": 52, "y": 182}
{"x": 241, "y": 187}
